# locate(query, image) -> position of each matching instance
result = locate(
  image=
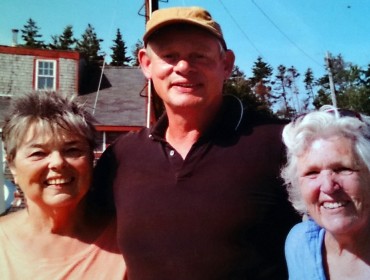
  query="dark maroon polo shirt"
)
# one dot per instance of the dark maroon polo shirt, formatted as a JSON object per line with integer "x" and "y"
{"x": 221, "y": 213}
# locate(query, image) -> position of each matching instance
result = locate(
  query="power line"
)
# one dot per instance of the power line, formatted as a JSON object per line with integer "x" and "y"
{"x": 286, "y": 36}
{"x": 241, "y": 30}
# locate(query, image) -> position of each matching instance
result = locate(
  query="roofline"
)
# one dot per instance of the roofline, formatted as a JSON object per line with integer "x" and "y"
{"x": 40, "y": 52}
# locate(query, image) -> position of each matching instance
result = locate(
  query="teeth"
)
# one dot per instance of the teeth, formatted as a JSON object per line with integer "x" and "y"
{"x": 186, "y": 85}
{"x": 333, "y": 205}
{"x": 58, "y": 181}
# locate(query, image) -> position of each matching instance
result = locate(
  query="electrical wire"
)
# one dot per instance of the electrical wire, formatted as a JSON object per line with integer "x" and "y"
{"x": 241, "y": 29}
{"x": 285, "y": 35}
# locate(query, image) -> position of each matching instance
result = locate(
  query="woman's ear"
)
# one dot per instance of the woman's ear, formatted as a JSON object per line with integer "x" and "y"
{"x": 145, "y": 62}
{"x": 13, "y": 171}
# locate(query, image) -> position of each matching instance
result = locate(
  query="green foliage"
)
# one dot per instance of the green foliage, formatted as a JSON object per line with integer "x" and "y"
{"x": 66, "y": 41}
{"x": 352, "y": 87}
{"x": 89, "y": 45}
{"x": 309, "y": 83}
{"x": 135, "y": 52}
{"x": 119, "y": 48}
{"x": 31, "y": 36}
{"x": 240, "y": 87}
{"x": 262, "y": 72}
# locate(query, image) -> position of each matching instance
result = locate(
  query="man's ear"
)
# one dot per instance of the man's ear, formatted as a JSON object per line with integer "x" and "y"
{"x": 145, "y": 62}
{"x": 229, "y": 60}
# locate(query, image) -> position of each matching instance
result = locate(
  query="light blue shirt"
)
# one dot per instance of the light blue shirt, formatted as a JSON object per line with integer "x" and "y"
{"x": 303, "y": 251}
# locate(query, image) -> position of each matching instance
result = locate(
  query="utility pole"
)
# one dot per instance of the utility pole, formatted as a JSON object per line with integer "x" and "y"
{"x": 331, "y": 80}
{"x": 150, "y": 7}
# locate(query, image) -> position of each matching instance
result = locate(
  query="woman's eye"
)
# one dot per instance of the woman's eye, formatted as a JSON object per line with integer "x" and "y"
{"x": 37, "y": 154}
{"x": 344, "y": 171}
{"x": 311, "y": 174}
{"x": 74, "y": 152}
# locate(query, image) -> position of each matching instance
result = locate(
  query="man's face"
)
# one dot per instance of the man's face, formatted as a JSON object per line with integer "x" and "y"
{"x": 187, "y": 66}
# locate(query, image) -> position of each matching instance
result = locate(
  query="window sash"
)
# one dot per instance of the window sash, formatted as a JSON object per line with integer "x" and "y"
{"x": 45, "y": 74}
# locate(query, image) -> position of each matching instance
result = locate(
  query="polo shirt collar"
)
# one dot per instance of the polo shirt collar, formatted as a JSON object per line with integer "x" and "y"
{"x": 228, "y": 120}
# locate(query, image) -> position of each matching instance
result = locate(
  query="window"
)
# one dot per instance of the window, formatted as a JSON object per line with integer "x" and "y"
{"x": 45, "y": 74}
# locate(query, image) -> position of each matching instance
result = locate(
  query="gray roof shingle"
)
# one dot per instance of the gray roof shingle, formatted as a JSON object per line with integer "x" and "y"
{"x": 123, "y": 103}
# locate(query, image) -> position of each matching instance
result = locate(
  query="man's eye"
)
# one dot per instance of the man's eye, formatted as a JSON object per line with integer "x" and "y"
{"x": 169, "y": 56}
{"x": 202, "y": 55}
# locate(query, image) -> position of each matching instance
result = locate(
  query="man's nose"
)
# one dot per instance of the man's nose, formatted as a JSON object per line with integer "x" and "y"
{"x": 183, "y": 65}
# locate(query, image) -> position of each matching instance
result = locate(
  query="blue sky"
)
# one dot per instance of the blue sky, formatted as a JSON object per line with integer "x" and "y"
{"x": 288, "y": 32}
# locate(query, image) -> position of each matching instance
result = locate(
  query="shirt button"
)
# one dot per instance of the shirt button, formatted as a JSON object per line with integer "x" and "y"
{"x": 172, "y": 152}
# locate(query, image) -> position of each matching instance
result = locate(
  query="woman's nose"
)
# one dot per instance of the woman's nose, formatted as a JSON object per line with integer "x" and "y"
{"x": 56, "y": 160}
{"x": 328, "y": 183}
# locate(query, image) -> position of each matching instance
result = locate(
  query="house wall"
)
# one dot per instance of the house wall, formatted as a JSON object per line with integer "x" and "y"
{"x": 17, "y": 75}
{"x": 68, "y": 76}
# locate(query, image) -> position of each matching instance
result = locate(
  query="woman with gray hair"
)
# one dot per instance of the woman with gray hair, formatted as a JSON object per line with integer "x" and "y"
{"x": 66, "y": 230}
{"x": 328, "y": 179}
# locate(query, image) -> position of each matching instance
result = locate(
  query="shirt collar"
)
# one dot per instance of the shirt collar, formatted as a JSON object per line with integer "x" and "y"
{"x": 228, "y": 120}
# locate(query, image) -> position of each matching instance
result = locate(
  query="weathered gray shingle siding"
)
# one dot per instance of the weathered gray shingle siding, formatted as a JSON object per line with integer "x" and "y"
{"x": 16, "y": 74}
{"x": 68, "y": 76}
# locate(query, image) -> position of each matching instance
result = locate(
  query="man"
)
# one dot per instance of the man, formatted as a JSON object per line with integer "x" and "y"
{"x": 198, "y": 195}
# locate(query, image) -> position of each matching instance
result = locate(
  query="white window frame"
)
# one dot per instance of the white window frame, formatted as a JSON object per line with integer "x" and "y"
{"x": 53, "y": 75}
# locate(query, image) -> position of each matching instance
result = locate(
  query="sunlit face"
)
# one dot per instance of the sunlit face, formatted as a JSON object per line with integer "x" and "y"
{"x": 335, "y": 185}
{"x": 53, "y": 170}
{"x": 187, "y": 67}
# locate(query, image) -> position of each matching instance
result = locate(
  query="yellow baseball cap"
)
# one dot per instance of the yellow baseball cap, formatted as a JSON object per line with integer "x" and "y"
{"x": 187, "y": 15}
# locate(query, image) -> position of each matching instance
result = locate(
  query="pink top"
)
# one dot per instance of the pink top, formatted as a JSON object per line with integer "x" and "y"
{"x": 95, "y": 262}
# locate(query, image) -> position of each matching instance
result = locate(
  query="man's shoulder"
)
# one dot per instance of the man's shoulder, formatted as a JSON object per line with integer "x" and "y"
{"x": 257, "y": 118}
{"x": 132, "y": 136}
{"x": 262, "y": 127}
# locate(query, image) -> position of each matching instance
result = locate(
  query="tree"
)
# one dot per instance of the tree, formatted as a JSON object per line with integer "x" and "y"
{"x": 261, "y": 72}
{"x": 292, "y": 75}
{"x": 65, "y": 41}
{"x": 351, "y": 85}
{"x": 282, "y": 82}
{"x": 240, "y": 87}
{"x": 135, "y": 53}
{"x": 31, "y": 36}
{"x": 89, "y": 45}
{"x": 119, "y": 48}
{"x": 309, "y": 84}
